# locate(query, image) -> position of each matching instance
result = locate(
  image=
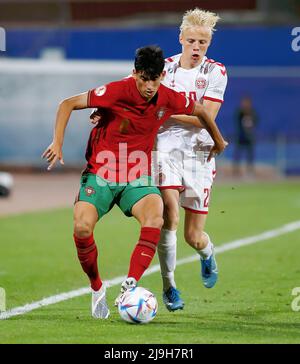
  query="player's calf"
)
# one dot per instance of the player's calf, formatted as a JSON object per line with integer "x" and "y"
{"x": 141, "y": 257}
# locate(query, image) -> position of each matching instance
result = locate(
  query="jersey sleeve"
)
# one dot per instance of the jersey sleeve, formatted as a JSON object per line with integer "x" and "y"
{"x": 104, "y": 96}
{"x": 180, "y": 104}
{"x": 217, "y": 84}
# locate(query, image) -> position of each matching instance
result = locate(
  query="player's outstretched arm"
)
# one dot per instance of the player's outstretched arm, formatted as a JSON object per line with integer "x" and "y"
{"x": 54, "y": 151}
{"x": 212, "y": 128}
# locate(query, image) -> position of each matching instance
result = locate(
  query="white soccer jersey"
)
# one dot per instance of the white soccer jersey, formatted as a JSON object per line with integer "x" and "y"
{"x": 205, "y": 82}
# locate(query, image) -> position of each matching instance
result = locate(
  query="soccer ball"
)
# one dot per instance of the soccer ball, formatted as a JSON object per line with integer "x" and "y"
{"x": 6, "y": 184}
{"x": 138, "y": 306}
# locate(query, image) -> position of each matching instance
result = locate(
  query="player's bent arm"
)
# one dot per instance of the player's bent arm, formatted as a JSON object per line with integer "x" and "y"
{"x": 54, "y": 151}
{"x": 64, "y": 111}
{"x": 211, "y": 127}
{"x": 212, "y": 107}
{"x": 186, "y": 119}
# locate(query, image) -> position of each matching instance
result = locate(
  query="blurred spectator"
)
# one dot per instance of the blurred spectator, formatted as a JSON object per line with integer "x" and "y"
{"x": 245, "y": 125}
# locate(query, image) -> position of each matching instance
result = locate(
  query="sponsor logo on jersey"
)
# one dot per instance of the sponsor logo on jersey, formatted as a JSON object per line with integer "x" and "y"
{"x": 124, "y": 126}
{"x": 100, "y": 91}
{"x": 201, "y": 83}
{"x": 89, "y": 191}
{"x": 218, "y": 91}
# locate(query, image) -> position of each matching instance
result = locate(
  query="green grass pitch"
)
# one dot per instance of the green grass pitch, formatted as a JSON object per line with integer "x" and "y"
{"x": 251, "y": 302}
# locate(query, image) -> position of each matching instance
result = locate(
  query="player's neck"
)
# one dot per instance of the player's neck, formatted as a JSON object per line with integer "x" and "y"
{"x": 188, "y": 63}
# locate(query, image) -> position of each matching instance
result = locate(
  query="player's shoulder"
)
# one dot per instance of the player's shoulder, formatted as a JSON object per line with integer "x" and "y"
{"x": 173, "y": 59}
{"x": 112, "y": 89}
{"x": 215, "y": 66}
{"x": 122, "y": 84}
{"x": 166, "y": 92}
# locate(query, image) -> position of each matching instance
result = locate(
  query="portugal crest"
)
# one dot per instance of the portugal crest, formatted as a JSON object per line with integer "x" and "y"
{"x": 160, "y": 113}
{"x": 89, "y": 191}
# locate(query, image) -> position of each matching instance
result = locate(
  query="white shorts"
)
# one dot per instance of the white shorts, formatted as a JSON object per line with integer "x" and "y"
{"x": 191, "y": 174}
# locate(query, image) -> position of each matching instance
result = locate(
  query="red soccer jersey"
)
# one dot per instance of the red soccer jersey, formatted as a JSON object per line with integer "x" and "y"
{"x": 119, "y": 148}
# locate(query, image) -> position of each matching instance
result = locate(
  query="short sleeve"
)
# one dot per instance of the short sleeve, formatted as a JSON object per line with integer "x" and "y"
{"x": 217, "y": 84}
{"x": 104, "y": 96}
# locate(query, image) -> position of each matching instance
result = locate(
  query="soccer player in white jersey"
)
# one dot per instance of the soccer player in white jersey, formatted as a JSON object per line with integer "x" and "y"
{"x": 185, "y": 176}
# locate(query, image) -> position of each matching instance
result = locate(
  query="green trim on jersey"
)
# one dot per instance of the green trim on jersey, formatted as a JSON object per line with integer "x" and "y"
{"x": 104, "y": 194}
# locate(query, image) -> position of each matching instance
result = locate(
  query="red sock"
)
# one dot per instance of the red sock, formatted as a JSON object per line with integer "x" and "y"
{"x": 87, "y": 254}
{"x": 143, "y": 252}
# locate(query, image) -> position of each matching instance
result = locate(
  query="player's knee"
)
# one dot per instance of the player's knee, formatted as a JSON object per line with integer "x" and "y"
{"x": 155, "y": 221}
{"x": 171, "y": 220}
{"x": 171, "y": 217}
{"x": 194, "y": 239}
{"x": 82, "y": 229}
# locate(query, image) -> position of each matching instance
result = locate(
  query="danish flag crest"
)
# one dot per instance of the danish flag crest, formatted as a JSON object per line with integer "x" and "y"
{"x": 201, "y": 83}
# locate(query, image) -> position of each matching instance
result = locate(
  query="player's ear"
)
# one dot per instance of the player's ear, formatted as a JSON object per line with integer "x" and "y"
{"x": 180, "y": 39}
{"x": 163, "y": 74}
{"x": 134, "y": 73}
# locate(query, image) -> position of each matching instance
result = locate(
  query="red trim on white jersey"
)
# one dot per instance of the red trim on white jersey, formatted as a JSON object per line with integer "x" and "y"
{"x": 169, "y": 59}
{"x": 196, "y": 211}
{"x": 221, "y": 65}
{"x": 212, "y": 99}
{"x": 171, "y": 187}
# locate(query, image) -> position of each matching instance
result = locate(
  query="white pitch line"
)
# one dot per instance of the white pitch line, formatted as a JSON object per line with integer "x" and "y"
{"x": 285, "y": 229}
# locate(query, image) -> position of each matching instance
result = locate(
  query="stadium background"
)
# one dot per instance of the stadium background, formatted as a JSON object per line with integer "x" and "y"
{"x": 55, "y": 49}
{"x": 59, "y": 48}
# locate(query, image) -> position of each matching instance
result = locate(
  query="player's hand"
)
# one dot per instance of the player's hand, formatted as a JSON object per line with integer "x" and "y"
{"x": 95, "y": 116}
{"x": 52, "y": 154}
{"x": 217, "y": 149}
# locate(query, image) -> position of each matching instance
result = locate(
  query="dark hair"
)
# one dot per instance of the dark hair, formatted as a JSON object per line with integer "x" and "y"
{"x": 149, "y": 61}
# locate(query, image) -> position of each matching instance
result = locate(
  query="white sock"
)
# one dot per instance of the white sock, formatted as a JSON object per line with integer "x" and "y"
{"x": 167, "y": 257}
{"x": 206, "y": 252}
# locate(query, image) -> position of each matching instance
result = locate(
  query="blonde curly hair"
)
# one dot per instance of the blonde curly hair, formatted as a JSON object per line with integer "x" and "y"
{"x": 198, "y": 17}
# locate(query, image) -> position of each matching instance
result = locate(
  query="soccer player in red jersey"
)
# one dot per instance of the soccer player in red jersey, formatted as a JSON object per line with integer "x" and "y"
{"x": 119, "y": 162}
